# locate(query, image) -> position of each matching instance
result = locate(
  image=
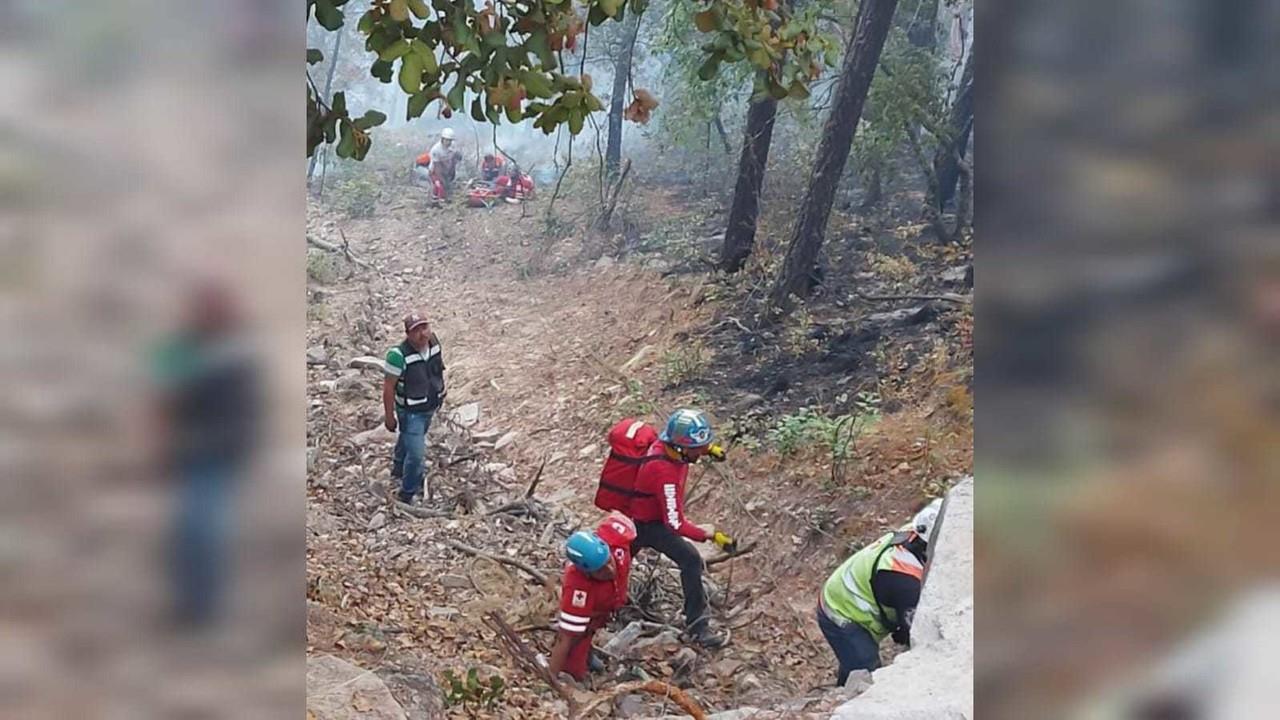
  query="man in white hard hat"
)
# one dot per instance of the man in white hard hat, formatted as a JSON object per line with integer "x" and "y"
{"x": 444, "y": 161}
{"x": 874, "y": 594}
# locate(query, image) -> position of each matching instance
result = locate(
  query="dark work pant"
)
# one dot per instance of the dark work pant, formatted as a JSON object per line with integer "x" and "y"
{"x": 854, "y": 647}
{"x": 658, "y": 536}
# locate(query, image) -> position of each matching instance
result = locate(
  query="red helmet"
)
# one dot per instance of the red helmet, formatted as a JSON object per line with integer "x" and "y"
{"x": 617, "y": 529}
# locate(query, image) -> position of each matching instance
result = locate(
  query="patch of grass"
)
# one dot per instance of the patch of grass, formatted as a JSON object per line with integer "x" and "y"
{"x": 470, "y": 691}
{"x": 796, "y": 338}
{"x": 357, "y": 197}
{"x": 635, "y": 403}
{"x": 896, "y": 268}
{"x": 683, "y": 364}
{"x": 322, "y": 267}
{"x": 811, "y": 427}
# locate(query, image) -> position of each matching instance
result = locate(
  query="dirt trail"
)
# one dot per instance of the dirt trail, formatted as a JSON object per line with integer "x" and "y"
{"x": 554, "y": 357}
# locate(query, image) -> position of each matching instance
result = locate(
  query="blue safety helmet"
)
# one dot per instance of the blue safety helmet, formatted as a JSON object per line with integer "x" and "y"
{"x": 586, "y": 551}
{"x": 687, "y": 429}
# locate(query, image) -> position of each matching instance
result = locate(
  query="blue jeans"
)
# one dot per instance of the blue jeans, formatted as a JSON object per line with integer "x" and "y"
{"x": 202, "y": 538}
{"x": 409, "y": 461}
{"x": 855, "y": 648}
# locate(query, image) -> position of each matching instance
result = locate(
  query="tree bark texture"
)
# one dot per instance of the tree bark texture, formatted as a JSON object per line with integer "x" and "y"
{"x": 618, "y": 101}
{"x": 859, "y": 66}
{"x": 328, "y": 88}
{"x": 740, "y": 233}
{"x": 946, "y": 163}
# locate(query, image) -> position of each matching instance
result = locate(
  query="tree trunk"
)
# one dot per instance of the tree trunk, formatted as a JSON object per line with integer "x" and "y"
{"x": 328, "y": 87}
{"x": 946, "y": 163}
{"x": 724, "y": 136}
{"x": 621, "y": 73}
{"x": 859, "y": 66}
{"x": 740, "y": 233}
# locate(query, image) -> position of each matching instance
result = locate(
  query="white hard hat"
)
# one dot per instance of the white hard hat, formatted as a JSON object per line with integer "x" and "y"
{"x": 447, "y": 134}
{"x": 924, "y": 520}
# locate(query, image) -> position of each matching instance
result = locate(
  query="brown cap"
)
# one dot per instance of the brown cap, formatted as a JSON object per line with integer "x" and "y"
{"x": 413, "y": 320}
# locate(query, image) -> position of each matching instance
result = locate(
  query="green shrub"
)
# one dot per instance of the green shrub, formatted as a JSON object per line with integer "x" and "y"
{"x": 471, "y": 692}
{"x": 357, "y": 197}
{"x": 683, "y": 364}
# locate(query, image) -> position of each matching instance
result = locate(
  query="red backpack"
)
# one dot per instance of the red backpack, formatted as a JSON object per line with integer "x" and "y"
{"x": 629, "y": 443}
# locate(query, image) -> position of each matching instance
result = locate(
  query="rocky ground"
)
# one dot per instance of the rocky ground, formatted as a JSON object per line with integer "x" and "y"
{"x": 551, "y": 337}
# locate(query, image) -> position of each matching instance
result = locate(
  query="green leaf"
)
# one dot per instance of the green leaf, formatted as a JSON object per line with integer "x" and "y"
{"x": 610, "y": 7}
{"x": 399, "y": 10}
{"x": 329, "y": 17}
{"x": 382, "y": 70}
{"x": 419, "y": 9}
{"x": 709, "y": 68}
{"x": 417, "y": 104}
{"x": 477, "y": 110}
{"x": 538, "y": 45}
{"x": 410, "y": 74}
{"x": 596, "y": 15}
{"x": 395, "y": 50}
{"x": 798, "y": 90}
{"x": 339, "y": 103}
{"x": 592, "y": 103}
{"x": 536, "y": 84}
{"x": 576, "y": 119}
{"x": 348, "y": 144}
{"x": 314, "y": 56}
{"x": 473, "y": 679}
{"x": 365, "y": 26}
{"x": 457, "y": 94}
{"x": 427, "y": 55}
{"x": 371, "y": 118}
{"x": 513, "y": 114}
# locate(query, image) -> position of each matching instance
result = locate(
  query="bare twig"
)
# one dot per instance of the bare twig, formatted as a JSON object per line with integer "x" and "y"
{"x": 528, "y": 494}
{"x": 526, "y": 658}
{"x": 729, "y": 556}
{"x": 653, "y": 687}
{"x": 945, "y": 297}
{"x": 530, "y": 571}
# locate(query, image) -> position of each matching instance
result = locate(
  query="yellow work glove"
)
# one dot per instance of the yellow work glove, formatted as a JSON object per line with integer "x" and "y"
{"x": 716, "y": 453}
{"x": 725, "y": 542}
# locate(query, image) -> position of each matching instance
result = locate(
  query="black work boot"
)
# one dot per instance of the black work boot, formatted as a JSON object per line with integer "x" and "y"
{"x": 594, "y": 663}
{"x": 703, "y": 635}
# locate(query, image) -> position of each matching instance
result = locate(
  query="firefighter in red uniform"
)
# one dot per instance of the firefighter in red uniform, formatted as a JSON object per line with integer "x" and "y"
{"x": 658, "y": 510}
{"x": 588, "y": 597}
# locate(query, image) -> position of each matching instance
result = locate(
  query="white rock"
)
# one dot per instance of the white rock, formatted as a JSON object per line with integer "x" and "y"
{"x": 377, "y": 434}
{"x": 588, "y": 451}
{"x": 933, "y": 680}
{"x": 505, "y": 440}
{"x": 366, "y": 362}
{"x": 338, "y": 690}
{"x": 466, "y": 415}
{"x": 378, "y": 520}
{"x": 317, "y": 355}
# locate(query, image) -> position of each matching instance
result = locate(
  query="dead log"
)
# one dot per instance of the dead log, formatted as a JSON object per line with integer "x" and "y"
{"x": 945, "y": 297}
{"x": 344, "y": 248}
{"x": 530, "y": 571}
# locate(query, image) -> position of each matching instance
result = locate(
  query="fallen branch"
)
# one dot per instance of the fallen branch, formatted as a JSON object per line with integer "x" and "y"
{"x": 945, "y": 297}
{"x": 653, "y": 687}
{"x": 526, "y": 658}
{"x": 419, "y": 512}
{"x": 528, "y": 494}
{"x": 532, "y": 572}
{"x": 729, "y": 556}
{"x": 344, "y": 249}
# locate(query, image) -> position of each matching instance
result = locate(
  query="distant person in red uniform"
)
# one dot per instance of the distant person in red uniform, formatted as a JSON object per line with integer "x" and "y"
{"x": 588, "y": 597}
{"x": 658, "y": 510}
